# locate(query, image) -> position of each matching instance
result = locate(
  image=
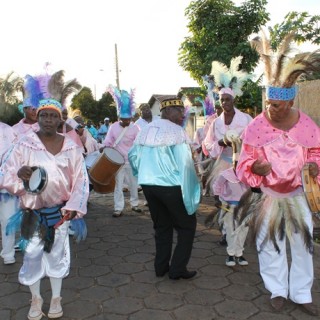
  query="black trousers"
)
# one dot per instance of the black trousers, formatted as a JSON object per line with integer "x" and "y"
{"x": 168, "y": 213}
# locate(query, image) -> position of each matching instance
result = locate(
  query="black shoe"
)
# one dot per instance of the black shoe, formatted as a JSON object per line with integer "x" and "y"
{"x": 163, "y": 273}
{"x": 223, "y": 240}
{"x": 184, "y": 275}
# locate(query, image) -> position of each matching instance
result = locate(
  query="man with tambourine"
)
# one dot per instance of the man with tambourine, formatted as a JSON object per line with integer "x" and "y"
{"x": 277, "y": 145}
{"x": 47, "y": 171}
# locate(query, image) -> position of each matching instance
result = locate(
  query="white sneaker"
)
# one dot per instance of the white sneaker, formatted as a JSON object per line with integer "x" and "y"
{"x": 9, "y": 260}
{"x": 55, "y": 310}
{"x": 242, "y": 261}
{"x": 35, "y": 312}
{"x": 117, "y": 213}
{"x": 230, "y": 261}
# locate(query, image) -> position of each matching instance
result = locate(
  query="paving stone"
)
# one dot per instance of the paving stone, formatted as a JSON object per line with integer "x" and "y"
{"x": 201, "y": 253}
{"x": 14, "y": 300}
{"x": 80, "y": 262}
{"x": 163, "y": 301}
{"x": 140, "y": 236}
{"x": 103, "y": 245}
{"x": 97, "y": 293}
{"x": 147, "y": 276}
{"x": 204, "y": 297}
{"x": 80, "y": 309}
{"x": 139, "y": 258}
{"x": 241, "y": 292}
{"x": 216, "y": 271}
{"x": 8, "y": 288}
{"x": 148, "y": 314}
{"x": 175, "y": 286}
{"x": 137, "y": 290}
{"x": 131, "y": 243}
{"x": 120, "y": 252}
{"x": 234, "y": 309}
{"x": 195, "y": 312}
{"x": 5, "y": 314}
{"x": 123, "y": 305}
{"x": 244, "y": 277}
{"x": 271, "y": 316}
{"x": 108, "y": 260}
{"x": 127, "y": 268}
{"x": 197, "y": 263}
{"x": 211, "y": 283}
{"x": 146, "y": 249}
{"x": 113, "y": 280}
{"x": 94, "y": 271}
{"x": 75, "y": 283}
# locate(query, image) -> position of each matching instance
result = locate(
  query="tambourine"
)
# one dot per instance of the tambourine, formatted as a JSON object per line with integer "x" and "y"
{"x": 37, "y": 182}
{"x": 233, "y": 137}
{"x": 311, "y": 189}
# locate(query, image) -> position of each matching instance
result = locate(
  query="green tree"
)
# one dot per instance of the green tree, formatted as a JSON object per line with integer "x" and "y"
{"x": 251, "y": 100}
{"x": 219, "y": 31}
{"x": 85, "y": 103}
{"x": 10, "y": 88}
{"x": 94, "y": 110}
{"x": 107, "y": 108}
{"x": 305, "y": 26}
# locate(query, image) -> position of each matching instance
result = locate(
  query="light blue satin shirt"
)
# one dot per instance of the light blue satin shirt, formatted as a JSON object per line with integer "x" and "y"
{"x": 167, "y": 166}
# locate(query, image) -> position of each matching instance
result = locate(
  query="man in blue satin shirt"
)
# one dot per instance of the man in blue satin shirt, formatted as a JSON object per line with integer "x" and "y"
{"x": 161, "y": 158}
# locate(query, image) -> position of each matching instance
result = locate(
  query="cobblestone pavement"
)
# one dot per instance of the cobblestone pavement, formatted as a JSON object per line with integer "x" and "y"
{"x": 112, "y": 276}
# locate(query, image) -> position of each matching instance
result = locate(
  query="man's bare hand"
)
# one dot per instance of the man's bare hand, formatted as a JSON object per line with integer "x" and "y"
{"x": 25, "y": 173}
{"x": 261, "y": 167}
{"x": 313, "y": 169}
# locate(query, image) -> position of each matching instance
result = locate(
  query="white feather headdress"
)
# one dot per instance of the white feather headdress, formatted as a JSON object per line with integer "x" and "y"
{"x": 232, "y": 77}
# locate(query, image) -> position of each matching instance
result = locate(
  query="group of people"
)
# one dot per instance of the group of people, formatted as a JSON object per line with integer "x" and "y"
{"x": 255, "y": 177}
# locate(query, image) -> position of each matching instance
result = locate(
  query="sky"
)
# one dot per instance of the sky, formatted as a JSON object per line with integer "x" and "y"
{"x": 79, "y": 36}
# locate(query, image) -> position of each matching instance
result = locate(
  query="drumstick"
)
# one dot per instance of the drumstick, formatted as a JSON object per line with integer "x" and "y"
{"x": 225, "y": 209}
{"x": 66, "y": 217}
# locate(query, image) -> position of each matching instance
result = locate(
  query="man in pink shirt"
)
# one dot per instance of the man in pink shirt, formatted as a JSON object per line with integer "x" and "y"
{"x": 277, "y": 146}
{"x": 121, "y": 136}
{"x": 29, "y": 123}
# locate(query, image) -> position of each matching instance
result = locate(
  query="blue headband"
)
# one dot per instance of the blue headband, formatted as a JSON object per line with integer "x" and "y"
{"x": 283, "y": 94}
{"x": 50, "y": 104}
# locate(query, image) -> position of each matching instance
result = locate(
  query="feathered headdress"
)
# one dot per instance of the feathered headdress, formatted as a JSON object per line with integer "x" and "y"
{"x": 230, "y": 80}
{"x": 186, "y": 116}
{"x": 124, "y": 102}
{"x": 55, "y": 90}
{"x": 32, "y": 93}
{"x": 208, "y": 103}
{"x": 282, "y": 69}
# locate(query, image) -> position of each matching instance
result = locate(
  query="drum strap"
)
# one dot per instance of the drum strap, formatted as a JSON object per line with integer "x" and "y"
{"x": 120, "y": 136}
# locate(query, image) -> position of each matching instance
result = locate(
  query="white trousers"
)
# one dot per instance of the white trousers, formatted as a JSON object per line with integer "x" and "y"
{"x": 125, "y": 171}
{"x": 37, "y": 263}
{"x": 235, "y": 235}
{"x": 8, "y": 207}
{"x": 274, "y": 269}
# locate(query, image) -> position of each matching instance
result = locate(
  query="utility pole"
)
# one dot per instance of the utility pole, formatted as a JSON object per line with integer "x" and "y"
{"x": 117, "y": 67}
